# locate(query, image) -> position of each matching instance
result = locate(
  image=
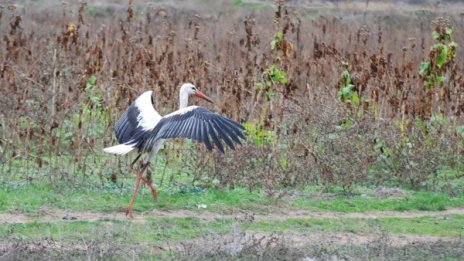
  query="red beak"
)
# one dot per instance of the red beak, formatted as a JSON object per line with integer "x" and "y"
{"x": 203, "y": 96}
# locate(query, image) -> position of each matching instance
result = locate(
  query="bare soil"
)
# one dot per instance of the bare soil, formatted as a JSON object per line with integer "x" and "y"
{"x": 300, "y": 240}
{"x": 277, "y": 214}
{"x": 232, "y": 243}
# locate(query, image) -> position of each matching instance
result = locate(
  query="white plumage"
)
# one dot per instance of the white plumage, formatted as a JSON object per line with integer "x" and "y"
{"x": 141, "y": 127}
{"x": 148, "y": 117}
{"x": 120, "y": 149}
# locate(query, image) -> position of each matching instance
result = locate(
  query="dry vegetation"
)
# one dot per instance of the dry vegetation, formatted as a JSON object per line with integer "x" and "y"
{"x": 239, "y": 245}
{"x": 66, "y": 73}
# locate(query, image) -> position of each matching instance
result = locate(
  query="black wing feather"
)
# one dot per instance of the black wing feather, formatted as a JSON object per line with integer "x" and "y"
{"x": 193, "y": 130}
{"x": 216, "y": 141}
{"x": 198, "y": 124}
{"x": 236, "y": 127}
{"x": 223, "y": 135}
{"x": 205, "y": 136}
{"x": 231, "y": 132}
{"x": 126, "y": 126}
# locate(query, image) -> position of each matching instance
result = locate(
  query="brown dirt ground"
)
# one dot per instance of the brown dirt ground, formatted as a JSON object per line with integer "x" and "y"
{"x": 278, "y": 214}
{"x": 235, "y": 241}
{"x": 229, "y": 240}
{"x": 300, "y": 240}
{"x": 232, "y": 242}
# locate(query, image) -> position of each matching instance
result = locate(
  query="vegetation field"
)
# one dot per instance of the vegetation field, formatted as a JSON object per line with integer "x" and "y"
{"x": 353, "y": 113}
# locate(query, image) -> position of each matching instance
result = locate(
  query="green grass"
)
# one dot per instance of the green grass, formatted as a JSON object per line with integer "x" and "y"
{"x": 422, "y": 200}
{"x": 312, "y": 225}
{"x": 29, "y": 198}
{"x": 452, "y": 226}
{"x": 153, "y": 230}
{"x": 32, "y": 198}
{"x": 250, "y": 4}
{"x": 175, "y": 228}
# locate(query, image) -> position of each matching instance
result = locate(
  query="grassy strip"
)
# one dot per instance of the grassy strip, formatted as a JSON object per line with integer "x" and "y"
{"x": 30, "y": 198}
{"x": 165, "y": 229}
{"x": 452, "y": 225}
{"x": 153, "y": 230}
{"x": 422, "y": 200}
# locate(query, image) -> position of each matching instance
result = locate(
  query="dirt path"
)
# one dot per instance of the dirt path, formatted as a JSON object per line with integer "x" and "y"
{"x": 277, "y": 214}
{"x": 299, "y": 240}
{"x": 233, "y": 243}
{"x": 236, "y": 240}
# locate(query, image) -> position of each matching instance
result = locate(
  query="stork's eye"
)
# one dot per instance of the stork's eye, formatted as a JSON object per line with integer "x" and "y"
{"x": 193, "y": 88}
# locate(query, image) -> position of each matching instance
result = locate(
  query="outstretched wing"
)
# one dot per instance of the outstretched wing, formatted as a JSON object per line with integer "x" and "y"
{"x": 140, "y": 116}
{"x": 196, "y": 123}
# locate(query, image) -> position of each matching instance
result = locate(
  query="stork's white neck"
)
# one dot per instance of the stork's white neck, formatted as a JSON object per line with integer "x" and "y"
{"x": 183, "y": 99}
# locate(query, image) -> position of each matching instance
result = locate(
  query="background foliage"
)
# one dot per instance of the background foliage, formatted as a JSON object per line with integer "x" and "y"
{"x": 328, "y": 97}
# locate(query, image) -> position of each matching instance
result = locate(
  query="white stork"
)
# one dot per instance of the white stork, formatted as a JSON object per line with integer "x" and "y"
{"x": 141, "y": 127}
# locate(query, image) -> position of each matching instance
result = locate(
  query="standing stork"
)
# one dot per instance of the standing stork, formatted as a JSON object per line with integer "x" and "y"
{"x": 141, "y": 127}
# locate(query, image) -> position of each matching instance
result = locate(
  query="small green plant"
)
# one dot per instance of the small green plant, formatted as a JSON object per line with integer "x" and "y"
{"x": 347, "y": 91}
{"x": 94, "y": 94}
{"x": 442, "y": 54}
{"x": 276, "y": 75}
{"x": 276, "y": 43}
{"x": 90, "y": 82}
{"x": 257, "y": 134}
{"x": 272, "y": 76}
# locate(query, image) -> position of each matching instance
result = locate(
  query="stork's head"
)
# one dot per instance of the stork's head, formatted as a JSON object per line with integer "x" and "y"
{"x": 190, "y": 89}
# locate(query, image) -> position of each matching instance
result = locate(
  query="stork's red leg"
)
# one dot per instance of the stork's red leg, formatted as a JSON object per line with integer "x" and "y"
{"x": 154, "y": 193}
{"x": 131, "y": 203}
{"x": 140, "y": 176}
{"x": 136, "y": 188}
